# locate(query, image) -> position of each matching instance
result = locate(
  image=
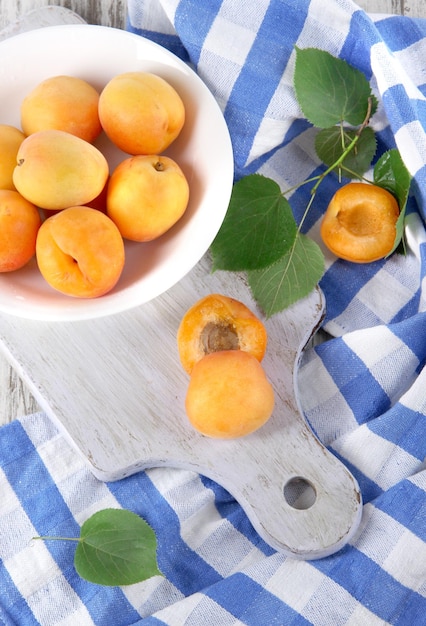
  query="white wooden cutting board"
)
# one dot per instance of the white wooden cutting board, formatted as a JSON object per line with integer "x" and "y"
{"x": 115, "y": 387}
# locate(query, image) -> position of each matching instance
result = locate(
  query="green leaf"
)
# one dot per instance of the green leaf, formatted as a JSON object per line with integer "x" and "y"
{"x": 291, "y": 278}
{"x": 116, "y": 547}
{"x": 329, "y": 90}
{"x": 331, "y": 143}
{"x": 258, "y": 228}
{"x": 391, "y": 173}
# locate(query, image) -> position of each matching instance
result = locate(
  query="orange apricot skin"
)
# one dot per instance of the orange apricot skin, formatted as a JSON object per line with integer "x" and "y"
{"x": 228, "y": 395}
{"x": 146, "y": 196}
{"x": 56, "y": 170}
{"x": 359, "y": 224}
{"x": 19, "y": 225}
{"x": 10, "y": 141}
{"x": 219, "y": 310}
{"x": 65, "y": 103}
{"x": 80, "y": 252}
{"x": 141, "y": 113}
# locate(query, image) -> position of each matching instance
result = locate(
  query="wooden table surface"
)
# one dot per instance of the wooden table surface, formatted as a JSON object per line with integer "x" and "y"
{"x": 15, "y": 398}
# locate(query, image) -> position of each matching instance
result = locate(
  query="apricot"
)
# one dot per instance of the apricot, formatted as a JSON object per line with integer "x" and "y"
{"x": 65, "y": 103}
{"x": 141, "y": 113}
{"x": 56, "y": 170}
{"x": 80, "y": 252}
{"x": 359, "y": 224}
{"x": 19, "y": 224}
{"x": 228, "y": 395}
{"x": 147, "y": 195}
{"x": 10, "y": 140}
{"x": 217, "y": 322}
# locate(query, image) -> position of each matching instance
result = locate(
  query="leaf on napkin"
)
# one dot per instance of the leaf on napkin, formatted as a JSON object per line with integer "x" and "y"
{"x": 259, "y": 234}
{"x": 290, "y": 279}
{"x": 116, "y": 547}
{"x": 329, "y": 90}
{"x": 391, "y": 173}
{"x": 330, "y": 143}
{"x": 258, "y": 229}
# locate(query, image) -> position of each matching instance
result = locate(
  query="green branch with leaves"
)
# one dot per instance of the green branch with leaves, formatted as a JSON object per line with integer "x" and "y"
{"x": 259, "y": 235}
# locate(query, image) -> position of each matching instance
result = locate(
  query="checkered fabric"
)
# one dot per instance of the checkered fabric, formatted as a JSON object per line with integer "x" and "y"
{"x": 363, "y": 391}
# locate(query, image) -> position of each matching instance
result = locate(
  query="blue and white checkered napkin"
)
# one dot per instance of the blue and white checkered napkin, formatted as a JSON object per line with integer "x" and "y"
{"x": 363, "y": 391}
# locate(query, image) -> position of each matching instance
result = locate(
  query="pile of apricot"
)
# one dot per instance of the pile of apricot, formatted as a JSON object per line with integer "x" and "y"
{"x": 221, "y": 344}
{"x": 58, "y": 199}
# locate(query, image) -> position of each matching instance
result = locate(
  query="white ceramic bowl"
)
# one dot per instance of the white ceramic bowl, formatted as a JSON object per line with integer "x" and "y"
{"x": 203, "y": 150}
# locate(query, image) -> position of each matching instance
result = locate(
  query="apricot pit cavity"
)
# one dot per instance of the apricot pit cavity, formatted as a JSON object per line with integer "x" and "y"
{"x": 217, "y": 322}
{"x": 219, "y": 336}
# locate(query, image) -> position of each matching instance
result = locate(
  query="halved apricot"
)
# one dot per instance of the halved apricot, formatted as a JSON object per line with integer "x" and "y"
{"x": 359, "y": 224}
{"x": 218, "y": 322}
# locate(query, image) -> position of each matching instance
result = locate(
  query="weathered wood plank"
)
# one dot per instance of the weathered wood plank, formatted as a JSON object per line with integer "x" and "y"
{"x": 105, "y": 12}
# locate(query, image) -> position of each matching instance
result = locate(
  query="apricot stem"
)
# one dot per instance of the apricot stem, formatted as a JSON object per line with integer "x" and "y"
{"x": 344, "y": 154}
{"x": 298, "y": 185}
{"x": 321, "y": 177}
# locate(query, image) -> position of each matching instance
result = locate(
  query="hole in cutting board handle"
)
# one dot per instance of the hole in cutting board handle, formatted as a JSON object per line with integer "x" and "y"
{"x": 300, "y": 493}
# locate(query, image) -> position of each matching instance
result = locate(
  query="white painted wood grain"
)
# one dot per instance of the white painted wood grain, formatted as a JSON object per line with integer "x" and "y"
{"x": 105, "y": 12}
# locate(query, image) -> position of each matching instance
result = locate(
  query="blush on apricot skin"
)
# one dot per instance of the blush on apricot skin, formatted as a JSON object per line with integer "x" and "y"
{"x": 359, "y": 224}
{"x": 141, "y": 113}
{"x": 218, "y": 322}
{"x": 146, "y": 196}
{"x": 56, "y": 170}
{"x": 80, "y": 252}
{"x": 19, "y": 225}
{"x": 65, "y": 103}
{"x": 10, "y": 140}
{"x": 228, "y": 395}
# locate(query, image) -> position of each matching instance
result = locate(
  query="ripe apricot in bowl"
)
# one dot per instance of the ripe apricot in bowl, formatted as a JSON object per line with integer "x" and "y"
{"x": 141, "y": 112}
{"x": 146, "y": 196}
{"x": 217, "y": 322}
{"x": 229, "y": 395}
{"x": 10, "y": 140}
{"x": 19, "y": 225}
{"x": 359, "y": 224}
{"x": 56, "y": 170}
{"x": 80, "y": 252}
{"x": 62, "y": 102}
